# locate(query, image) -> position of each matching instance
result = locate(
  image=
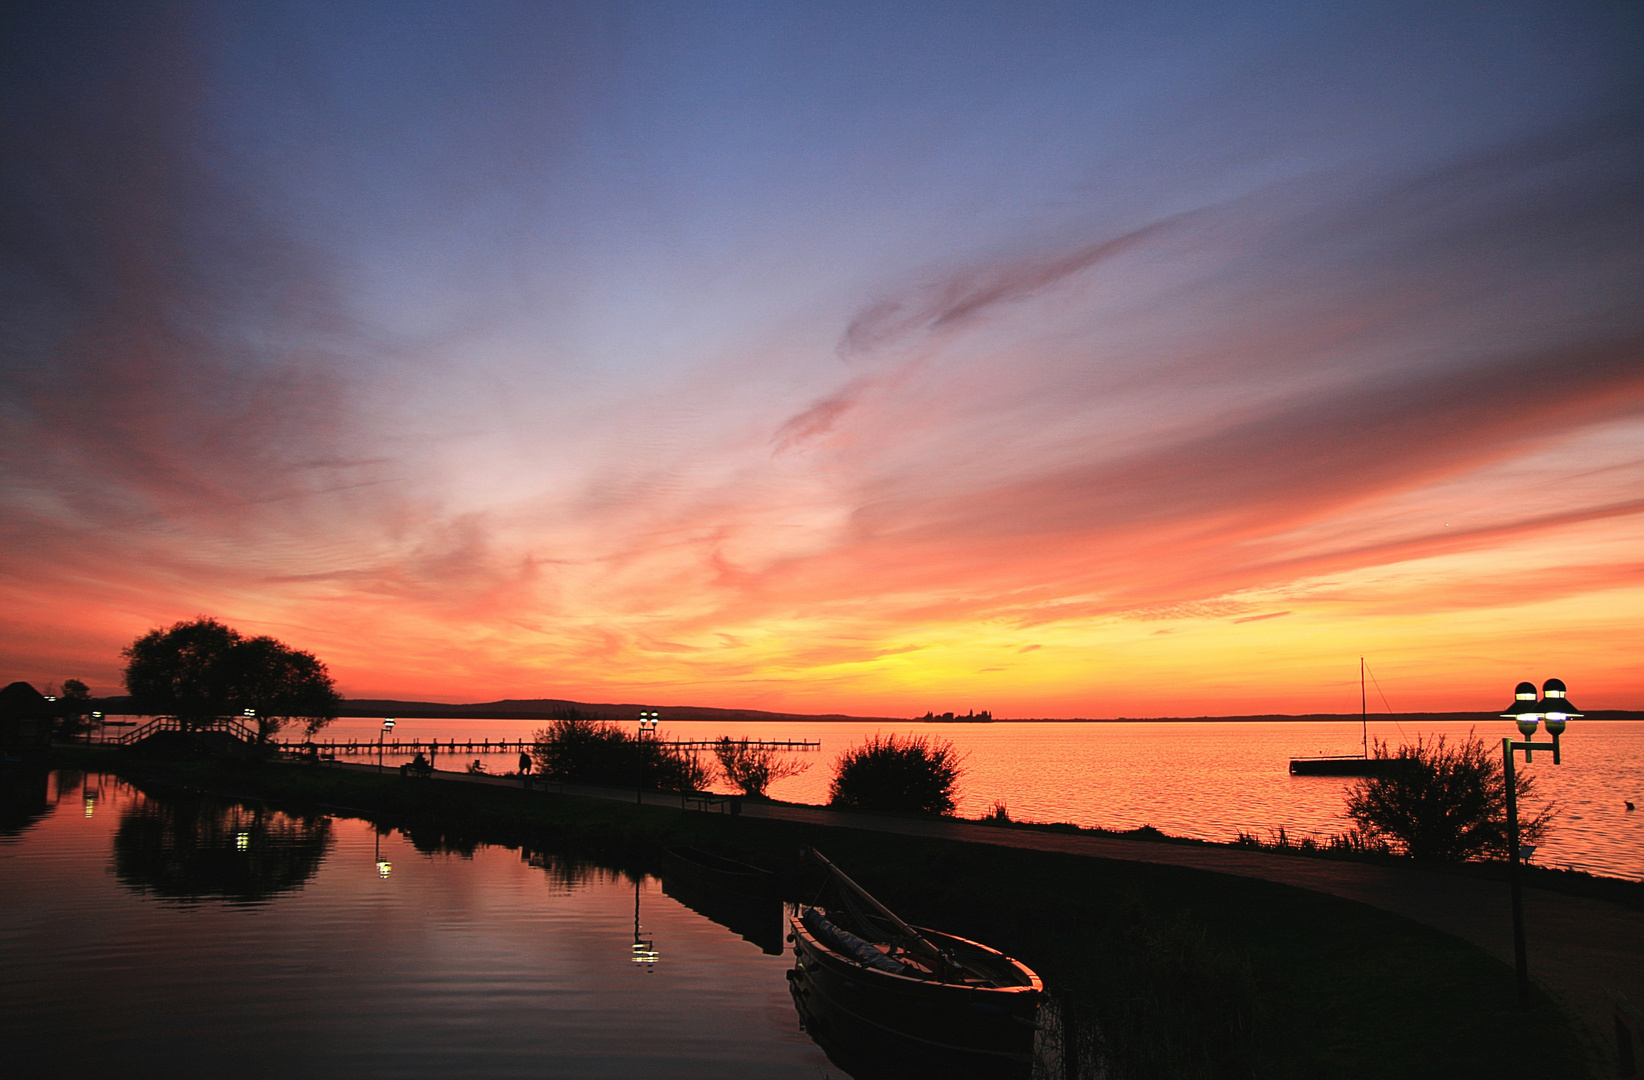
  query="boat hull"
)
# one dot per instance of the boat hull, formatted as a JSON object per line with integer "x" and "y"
{"x": 875, "y": 1023}
{"x": 1343, "y": 766}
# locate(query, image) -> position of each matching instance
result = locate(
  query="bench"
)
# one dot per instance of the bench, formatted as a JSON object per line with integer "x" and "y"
{"x": 708, "y": 800}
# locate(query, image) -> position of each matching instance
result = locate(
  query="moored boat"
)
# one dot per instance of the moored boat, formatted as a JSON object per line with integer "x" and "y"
{"x": 893, "y": 999}
{"x": 1360, "y": 764}
{"x": 1343, "y": 765}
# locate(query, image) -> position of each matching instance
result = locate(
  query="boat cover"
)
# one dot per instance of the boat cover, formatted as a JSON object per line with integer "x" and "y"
{"x": 848, "y": 943}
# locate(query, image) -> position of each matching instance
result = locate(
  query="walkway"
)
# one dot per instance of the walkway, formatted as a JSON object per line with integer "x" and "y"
{"x": 1578, "y": 948}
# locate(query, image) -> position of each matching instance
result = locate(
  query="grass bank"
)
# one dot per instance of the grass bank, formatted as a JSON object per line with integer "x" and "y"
{"x": 1185, "y": 973}
{"x": 1623, "y": 891}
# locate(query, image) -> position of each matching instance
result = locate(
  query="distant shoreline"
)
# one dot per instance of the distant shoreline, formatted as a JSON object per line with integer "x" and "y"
{"x": 547, "y": 709}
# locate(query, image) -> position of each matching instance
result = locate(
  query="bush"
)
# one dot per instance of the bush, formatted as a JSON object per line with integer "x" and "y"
{"x": 898, "y": 773}
{"x": 601, "y": 752}
{"x": 1444, "y": 802}
{"x": 754, "y": 768}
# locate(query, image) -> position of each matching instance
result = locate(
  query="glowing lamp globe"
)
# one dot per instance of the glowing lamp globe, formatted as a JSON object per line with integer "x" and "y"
{"x": 1556, "y": 706}
{"x": 1525, "y": 709}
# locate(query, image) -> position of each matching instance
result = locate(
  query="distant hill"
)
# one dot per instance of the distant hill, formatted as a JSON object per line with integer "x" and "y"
{"x": 552, "y": 708}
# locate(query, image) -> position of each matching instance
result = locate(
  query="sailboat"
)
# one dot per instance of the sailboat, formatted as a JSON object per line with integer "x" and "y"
{"x": 1360, "y": 764}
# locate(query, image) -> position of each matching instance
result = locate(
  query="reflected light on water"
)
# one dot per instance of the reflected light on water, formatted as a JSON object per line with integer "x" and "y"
{"x": 644, "y": 949}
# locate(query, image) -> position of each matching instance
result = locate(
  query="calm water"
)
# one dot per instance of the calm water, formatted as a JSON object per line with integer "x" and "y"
{"x": 1206, "y": 780}
{"x": 193, "y": 937}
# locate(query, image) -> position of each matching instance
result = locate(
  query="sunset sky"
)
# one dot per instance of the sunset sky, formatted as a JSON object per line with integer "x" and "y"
{"x": 1108, "y": 359}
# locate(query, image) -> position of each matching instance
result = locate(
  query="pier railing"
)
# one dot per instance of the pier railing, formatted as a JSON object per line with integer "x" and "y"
{"x": 510, "y": 746}
{"x": 349, "y": 747}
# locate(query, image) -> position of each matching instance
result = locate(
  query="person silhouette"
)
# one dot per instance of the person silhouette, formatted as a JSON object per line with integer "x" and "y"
{"x": 525, "y": 769}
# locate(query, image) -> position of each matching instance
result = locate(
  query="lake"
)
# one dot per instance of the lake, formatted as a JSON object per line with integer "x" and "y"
{"x": 1205, "y": 779}
{"x": 181, "y": 935}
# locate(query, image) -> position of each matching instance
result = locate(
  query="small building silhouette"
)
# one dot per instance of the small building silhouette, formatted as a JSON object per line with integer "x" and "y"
{"x": 26, "y": 718}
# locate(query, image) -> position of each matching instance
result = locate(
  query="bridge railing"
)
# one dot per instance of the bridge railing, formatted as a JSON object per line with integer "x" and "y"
{"x": 237, "y": 728}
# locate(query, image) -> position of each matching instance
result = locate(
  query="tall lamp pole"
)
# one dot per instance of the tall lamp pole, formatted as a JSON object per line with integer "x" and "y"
{"x": 647, "y": 723}
{"x": 1555, "y": 708}
{"x": 387, "y": 726}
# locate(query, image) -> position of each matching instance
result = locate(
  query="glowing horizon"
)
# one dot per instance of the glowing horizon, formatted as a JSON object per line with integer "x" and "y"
{"x": 1051, "y": 362}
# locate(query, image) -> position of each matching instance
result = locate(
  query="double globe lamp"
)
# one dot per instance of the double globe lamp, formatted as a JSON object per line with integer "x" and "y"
{"x": 1556, "y": 709}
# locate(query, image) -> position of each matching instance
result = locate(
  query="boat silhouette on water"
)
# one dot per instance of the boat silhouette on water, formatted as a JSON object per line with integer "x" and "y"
{"x": 883, "y": 998}
{"x": 1360, "y": 764}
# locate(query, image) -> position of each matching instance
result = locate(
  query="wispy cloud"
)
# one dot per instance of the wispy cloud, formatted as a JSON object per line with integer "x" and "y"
{"x": 820, "y": 418}
{"x": 969, "y": 293}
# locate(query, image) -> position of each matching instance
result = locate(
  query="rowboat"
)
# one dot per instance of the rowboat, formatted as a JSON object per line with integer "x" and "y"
{"x": 888, "y": 999}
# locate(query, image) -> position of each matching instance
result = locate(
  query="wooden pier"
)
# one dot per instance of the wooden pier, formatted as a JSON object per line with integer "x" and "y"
{"x": 757, "y": 744}
{"x": 510, "y": 746}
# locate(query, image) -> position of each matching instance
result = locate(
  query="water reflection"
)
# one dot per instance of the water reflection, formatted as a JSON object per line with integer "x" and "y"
{"x": 865, "y": 1051}
{"x": 193, "y": 847}
{"x": 24, "y": 799}
{"x": 569, "y": 873}
{"x": 644, "y": 948}
{"x": 740, "y": 897}
{"x": 466, "y": 961}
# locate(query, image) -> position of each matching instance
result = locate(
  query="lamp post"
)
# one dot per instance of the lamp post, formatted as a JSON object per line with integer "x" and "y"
{"x": 1555, "y": 708}
{"x": 387, "y": 726}
{"x": 647, "y": 723}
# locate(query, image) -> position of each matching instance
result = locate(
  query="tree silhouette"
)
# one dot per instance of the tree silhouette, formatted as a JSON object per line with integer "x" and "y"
{"x": 754, "y": 768}
{"x": 601, "y": 752}
{"x": 76, "y": 705}
{"x": 201, "y": 670}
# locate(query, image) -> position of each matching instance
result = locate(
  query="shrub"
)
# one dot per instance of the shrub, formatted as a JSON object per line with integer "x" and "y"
{"x": 1444, "y": 802}
{"x": 601, "y": 752}
{"x": 899, "y": 773}
{"x": 754, "y": 768}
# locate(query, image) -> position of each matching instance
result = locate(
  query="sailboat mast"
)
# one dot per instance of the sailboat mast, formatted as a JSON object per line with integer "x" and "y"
{"x": 1364, "y": 716}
